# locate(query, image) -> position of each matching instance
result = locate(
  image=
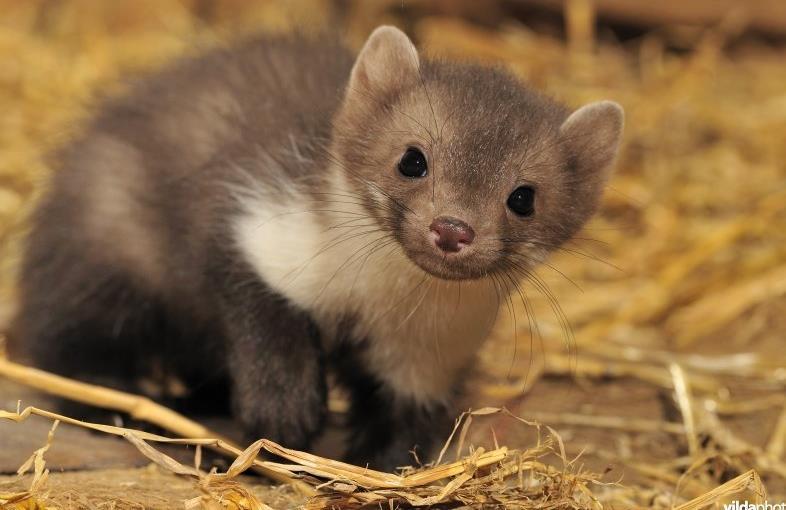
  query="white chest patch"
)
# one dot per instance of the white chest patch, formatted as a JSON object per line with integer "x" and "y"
{"x": 422, "y": 331}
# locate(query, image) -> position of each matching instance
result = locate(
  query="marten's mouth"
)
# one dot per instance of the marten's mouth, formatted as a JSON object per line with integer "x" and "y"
{"x": 446, "y": 255}
{"x": 449, "y": 266}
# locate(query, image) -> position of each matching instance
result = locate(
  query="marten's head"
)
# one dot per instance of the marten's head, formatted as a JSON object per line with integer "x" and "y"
{"x": 471, "y": 171}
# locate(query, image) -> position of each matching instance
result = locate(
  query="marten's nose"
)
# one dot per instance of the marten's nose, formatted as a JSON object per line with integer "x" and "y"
{"x": 451, "y": 234}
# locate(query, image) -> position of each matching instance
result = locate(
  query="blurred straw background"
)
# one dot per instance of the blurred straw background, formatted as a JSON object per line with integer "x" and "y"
{"x": 672, "y": 370}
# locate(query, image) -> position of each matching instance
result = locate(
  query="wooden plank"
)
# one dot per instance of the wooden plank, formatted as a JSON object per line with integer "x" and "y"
{"x": 763, "y": 15}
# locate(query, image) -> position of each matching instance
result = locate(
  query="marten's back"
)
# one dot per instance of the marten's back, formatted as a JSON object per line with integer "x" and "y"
{"x": 142, "y": 194}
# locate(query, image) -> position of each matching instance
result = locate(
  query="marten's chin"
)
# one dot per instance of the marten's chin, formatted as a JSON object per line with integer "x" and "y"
{"x": 450, "y": 266}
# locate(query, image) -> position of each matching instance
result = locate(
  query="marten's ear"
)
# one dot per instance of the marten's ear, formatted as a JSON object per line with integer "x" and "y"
{"x": 387, "y": 60}
{"x": 593, "y": 134}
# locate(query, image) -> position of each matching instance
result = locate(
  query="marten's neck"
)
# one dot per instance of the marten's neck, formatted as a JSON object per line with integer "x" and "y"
{"x": 326, "y": 254}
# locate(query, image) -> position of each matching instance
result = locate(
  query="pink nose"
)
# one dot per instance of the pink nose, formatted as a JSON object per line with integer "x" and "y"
{"x": 451, "y": 234}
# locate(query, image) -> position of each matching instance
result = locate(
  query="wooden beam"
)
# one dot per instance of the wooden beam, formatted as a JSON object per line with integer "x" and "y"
{"x": 763, "y": 15}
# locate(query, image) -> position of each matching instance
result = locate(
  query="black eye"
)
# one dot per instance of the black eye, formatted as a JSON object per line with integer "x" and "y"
{"x": 522, "y": 201}
{"x": 413, "y": 163}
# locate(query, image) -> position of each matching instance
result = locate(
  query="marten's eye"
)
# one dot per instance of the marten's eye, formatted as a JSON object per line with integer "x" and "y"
{"x": 522, "y": 201}
{"x": 413, "y": 163}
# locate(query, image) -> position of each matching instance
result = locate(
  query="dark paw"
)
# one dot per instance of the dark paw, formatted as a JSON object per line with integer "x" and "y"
{"x": 292, "y": 422}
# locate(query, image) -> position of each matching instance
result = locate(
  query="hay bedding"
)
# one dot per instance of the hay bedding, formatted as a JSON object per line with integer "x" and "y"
{"x": 682, "y": 275}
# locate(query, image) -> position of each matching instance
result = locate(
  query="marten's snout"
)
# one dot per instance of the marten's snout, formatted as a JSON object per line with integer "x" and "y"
{"x": 451, "y": 234}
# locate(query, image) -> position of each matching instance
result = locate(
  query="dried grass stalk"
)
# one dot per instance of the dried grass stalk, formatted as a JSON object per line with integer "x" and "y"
{"x": 502, "y": 475}
{"x": 748, "y": 481}
{"x": 27, "y": 498}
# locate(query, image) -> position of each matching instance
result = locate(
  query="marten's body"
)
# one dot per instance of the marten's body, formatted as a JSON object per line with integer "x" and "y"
{"x": 247, "y": 219}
